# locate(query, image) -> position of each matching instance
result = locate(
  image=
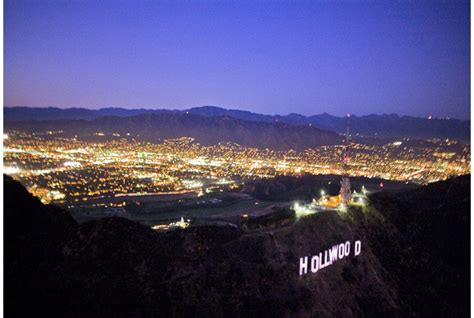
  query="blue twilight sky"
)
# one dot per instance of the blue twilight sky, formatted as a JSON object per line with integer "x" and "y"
{"x": 308, "y": 57}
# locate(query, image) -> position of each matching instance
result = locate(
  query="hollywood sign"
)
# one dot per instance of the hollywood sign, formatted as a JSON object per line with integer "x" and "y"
{"x": 328, "y": 257}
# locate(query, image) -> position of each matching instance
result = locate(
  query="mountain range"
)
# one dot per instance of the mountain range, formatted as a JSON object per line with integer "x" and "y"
{"x": 379, "y": 126}
{"x": 205, "y": 130}
{"x": 414, "y": 262}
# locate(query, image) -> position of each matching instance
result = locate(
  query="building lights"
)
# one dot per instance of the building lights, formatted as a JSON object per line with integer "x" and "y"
{"x": 90, "y": 169}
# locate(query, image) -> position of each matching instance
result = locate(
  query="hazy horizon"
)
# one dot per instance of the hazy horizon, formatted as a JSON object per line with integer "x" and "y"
{"x": 226, "y": 108}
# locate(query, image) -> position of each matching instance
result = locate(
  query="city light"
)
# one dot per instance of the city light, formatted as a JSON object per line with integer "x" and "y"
{"x": 11, "y": 170}
{"x": 72, "y": 164}
{"x": 178, "y": 224}
{"x": 302, "y": 210}
{"x": 123, "y": 167}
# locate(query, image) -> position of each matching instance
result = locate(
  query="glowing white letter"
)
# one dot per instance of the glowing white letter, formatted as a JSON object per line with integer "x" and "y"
{"x": 314, "y": 264}
{"x": 341, "y": 251}
{"x": 347, "y": 248}
{"x": 357, "y": 247}
{"x": 333, "y": 254}
{"x": 303, "y": 265}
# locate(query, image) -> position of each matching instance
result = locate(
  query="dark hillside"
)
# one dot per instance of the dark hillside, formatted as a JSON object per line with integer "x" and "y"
{"x": 414, "y": 262}
{"x": 428, "y": 229}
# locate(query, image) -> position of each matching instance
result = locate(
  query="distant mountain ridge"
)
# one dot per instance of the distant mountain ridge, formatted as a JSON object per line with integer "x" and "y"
{"x": 382, "y": 126}
{"x": 205, "y": 130}
{"x": 24, "y": 113}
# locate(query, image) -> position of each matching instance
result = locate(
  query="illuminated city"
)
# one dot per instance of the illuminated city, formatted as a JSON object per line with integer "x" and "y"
{"x": 71, "y": 171}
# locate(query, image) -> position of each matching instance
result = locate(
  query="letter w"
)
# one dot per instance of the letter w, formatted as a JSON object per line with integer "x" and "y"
{"x": 333, "y": 254}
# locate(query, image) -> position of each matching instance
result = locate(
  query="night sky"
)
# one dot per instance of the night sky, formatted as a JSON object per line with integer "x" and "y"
{"x": 362, "y": 57}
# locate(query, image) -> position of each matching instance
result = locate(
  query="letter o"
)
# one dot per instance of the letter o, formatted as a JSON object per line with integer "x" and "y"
{"x": 314, "y": 264}
{"x": 341, "y": 251}
{"x": 347, "y": 248}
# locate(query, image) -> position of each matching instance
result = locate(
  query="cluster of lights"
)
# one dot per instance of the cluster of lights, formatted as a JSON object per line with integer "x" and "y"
{"x": 302, "y": 210}
{"x": 125, "y": 167}
{"x": 178, "y": 224}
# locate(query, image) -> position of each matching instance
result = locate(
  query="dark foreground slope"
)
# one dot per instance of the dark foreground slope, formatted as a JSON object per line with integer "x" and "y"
{"x": 414, "y": 262}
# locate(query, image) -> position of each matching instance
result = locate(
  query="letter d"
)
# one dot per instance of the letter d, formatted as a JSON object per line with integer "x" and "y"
{"x": 357, "y": 247}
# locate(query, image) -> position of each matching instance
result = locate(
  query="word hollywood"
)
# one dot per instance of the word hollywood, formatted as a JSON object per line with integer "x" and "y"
{"x": 338, "y": 251}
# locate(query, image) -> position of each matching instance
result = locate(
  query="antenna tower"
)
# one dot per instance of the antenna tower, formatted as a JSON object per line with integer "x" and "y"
{"x": 345, "y": 192}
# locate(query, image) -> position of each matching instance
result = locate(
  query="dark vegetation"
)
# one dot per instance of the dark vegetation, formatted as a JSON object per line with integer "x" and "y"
{"x": 279, "y": 217}
{"x": 437, "y": 218}
{"x": 414, "y": 262}
{"x": 306, "y": 187}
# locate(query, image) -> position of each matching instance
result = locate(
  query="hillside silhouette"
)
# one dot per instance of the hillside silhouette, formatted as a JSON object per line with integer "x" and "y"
{"x": 414, "y": 262}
